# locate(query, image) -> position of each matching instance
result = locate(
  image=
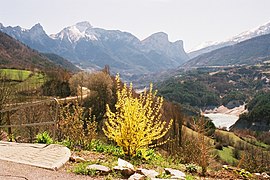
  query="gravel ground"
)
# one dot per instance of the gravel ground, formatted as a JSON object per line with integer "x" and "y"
{"x": 15, "y": 171}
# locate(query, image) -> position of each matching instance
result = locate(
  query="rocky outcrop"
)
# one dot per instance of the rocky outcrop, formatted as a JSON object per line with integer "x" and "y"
{"x": 130, "y": 172}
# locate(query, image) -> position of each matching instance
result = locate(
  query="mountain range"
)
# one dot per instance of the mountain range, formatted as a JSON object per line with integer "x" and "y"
{"x": 249, "y": 52}
{"x": 93, "y": 48}
{"x": 211, "y": 46}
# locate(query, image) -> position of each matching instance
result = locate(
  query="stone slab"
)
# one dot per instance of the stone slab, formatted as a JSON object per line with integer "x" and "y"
{"x": 51, "y": 156}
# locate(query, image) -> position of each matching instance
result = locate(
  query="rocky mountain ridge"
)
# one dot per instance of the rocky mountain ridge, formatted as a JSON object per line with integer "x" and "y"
{"x": 211, "y": 46}
{"x": 93, "y": 48}
{"x": 249, "y": 52}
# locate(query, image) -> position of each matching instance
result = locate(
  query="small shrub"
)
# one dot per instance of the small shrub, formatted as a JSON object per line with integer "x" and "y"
{"x": 146, "y": 154}
{"x": 67, "y": 143}
{"x": 164, "y": 175}
{"x": 101, "y": 147}
{"x": 82, "y": 169}
{"x": 191, "y": 168}
{"x": 236, "y": 153}
{"x": 44, "y": 138}
{"x": 245, "y": 174}
{"x": 219, "y": 146}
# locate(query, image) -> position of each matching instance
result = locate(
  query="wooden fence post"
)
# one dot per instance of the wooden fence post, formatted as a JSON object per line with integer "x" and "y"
{"x": 56, "y": 118}
{"x": 9, "y": 128}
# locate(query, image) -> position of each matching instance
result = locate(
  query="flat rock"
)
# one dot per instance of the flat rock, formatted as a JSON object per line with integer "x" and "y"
{"x": 148, "y": 172}
{"x": 101, "y": 169}
{"x": 136, "y": 176}
{"x": 124, "y": 171}
{"x": 126, "y": 168}
{"x": 51, "y": 156}
{"x": 125, "y": 164}
{"x": 175, "y": 174}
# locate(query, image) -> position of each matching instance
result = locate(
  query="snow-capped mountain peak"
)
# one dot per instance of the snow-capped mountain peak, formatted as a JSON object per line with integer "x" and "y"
{"x": 81, "y": 30}
{"x": 210, "y": 46}
{"x": 258, "y": 31}
{"x": 203, "y": 45}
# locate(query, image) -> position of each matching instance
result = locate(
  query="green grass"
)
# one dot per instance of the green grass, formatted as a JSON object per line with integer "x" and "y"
{"x": 23, "y": 80}
{"x": 227, "y": 155}
{"x": 33, "y": 82}
{"x": 189, "y": 177}
{"x": 261, "y": 144}
{"x": 192, "y": 133}
{"x": 232, "y": 136}
{"x": 81, "y": 168}
{"x": 99, "y": 146}
{"x": 15, "y": 74}
{"x": 256, "y": 143}
{"x": 246, "y": 141}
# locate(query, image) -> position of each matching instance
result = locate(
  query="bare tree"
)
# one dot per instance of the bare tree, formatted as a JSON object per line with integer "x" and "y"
{"x": 203, "y": 144}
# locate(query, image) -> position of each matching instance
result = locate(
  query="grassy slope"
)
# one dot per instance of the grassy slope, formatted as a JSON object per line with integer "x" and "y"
{"x": 192, "y": 133}
{"x": 227, "y": 155}
{"x": 15, "y": 74}
{"x": 23, "y": 79}
{"x": 232, "y": 136}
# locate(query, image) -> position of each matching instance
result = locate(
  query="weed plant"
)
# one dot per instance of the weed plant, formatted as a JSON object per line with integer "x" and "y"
{"x": 44, "y": 138}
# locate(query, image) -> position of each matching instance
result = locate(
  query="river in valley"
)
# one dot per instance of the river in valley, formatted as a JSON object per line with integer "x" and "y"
{"x": 222, "y": 120}
{"x": 224, "y": 117}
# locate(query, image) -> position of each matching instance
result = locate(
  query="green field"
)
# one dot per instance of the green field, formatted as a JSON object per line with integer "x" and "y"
{"x": 232, "y": 136}
{"x": 23, "y": 80}
{"x": 226, "y": 154}
{"x": 15, "y": 74}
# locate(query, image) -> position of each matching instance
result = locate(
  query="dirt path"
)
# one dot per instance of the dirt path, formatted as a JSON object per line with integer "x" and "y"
{"x": 15, "y": 171}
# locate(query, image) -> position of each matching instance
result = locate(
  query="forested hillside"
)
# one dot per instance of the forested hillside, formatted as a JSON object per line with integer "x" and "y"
{"x": 258, "y": 116}
{"x": 210, "y": 87}
{"x": 14, "y": 54}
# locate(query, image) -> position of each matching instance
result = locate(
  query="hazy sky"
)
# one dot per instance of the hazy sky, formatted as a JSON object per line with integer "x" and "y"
{"x": 193, "y": 21}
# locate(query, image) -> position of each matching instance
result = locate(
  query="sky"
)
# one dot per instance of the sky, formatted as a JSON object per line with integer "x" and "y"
{"x": 193, "y": 21}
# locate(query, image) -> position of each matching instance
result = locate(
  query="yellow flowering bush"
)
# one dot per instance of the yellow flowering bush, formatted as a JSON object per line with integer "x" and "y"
{"x": 136, "y": 123}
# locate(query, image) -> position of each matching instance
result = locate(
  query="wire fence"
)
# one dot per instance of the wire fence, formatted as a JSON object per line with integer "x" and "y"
{"x": 23, "y": 121}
